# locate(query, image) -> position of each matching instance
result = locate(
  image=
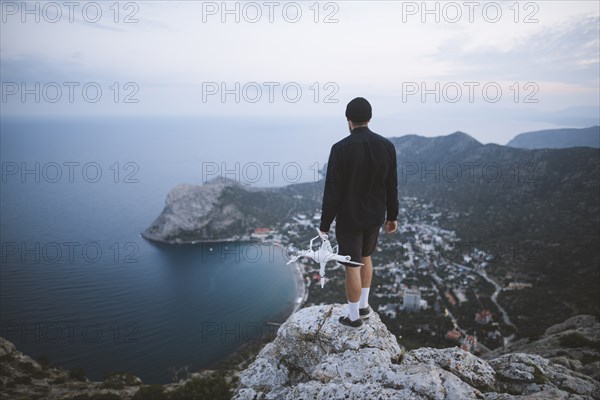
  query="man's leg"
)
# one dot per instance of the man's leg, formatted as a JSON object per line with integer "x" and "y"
{"x": 350, "y": 245}
{"x": 353, "y": 283}
{"x": 366, "y": 274}
{"x": 353, "y": 291}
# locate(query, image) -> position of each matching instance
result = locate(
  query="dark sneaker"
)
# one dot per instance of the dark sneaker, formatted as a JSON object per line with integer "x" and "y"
{"x": 364, "y": 312}
{"x": 354, "y": 324}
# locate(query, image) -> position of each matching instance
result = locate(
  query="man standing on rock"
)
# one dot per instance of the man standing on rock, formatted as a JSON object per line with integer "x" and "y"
{"x": 360, "y": 187}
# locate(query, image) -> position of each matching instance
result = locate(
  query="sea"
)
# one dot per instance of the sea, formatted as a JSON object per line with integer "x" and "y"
{"x": 81, "y": 287}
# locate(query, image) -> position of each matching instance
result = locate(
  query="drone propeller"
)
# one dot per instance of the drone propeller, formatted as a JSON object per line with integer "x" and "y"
{"x": 354, "y": 262}
{"x": 294, "y": 259}
{"x": 345, "y": 259}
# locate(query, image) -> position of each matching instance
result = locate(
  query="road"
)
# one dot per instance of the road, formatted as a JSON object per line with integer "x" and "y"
{"x": 481, "y": 347}
{"x": 494, "y": 296}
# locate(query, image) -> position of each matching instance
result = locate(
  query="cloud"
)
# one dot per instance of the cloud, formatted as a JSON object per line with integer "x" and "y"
{"x": 566, "y": 53}
{"x": 170, "y": 52}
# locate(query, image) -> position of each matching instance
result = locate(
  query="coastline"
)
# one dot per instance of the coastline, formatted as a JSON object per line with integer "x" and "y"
{"x": 301, "y": 287}
{"x": 179, "y": 241}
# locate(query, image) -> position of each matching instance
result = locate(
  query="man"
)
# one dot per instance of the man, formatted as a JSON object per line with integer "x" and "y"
{"x": 360, "y": 187}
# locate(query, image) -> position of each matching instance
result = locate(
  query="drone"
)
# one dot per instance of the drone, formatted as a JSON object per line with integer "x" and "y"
{"x": 323, "y": 255}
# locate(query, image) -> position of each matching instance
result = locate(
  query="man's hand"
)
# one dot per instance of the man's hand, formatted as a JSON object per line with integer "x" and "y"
{"x": 391, "y": 226}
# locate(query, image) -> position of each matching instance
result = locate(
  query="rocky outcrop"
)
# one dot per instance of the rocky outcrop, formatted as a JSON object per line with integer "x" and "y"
{"x": 188, "y": 210}
{"x": 526, "y": 374}
{"x": 574, "y": 344}
{"x": 24, "y": 378}
{"x": 219, "y": 210}
{"x": 315, "y": 357}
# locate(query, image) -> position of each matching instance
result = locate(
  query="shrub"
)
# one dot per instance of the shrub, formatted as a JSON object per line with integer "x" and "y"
{"x": 44, "y": 360}
{"x": 77, "y": 373}
{"x": 119, "y": 379}
{"x": 589, "y": 358}
{"x": 96, "y": 396}
{"x": 5, "y": 370}
{"x": 60, "y": 380}
{"x": 213, "y": 387}
{"x": 104, "y": 396}
{"x": 80, "y": 397}
{"x": 28, "y": 367}
{"x": 116, "y": 385}
{"x": 151, "y": 392}
{"x": 577, "y": 340}
{"x": 6, "y": 358}
{"x": 22, "y": 380}
{"x": 40, "y": 374}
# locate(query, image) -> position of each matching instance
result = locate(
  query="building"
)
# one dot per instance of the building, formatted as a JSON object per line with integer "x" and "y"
{"x": 412, "y": 300}
{"x": 450, "y": 298}
{"x": 261, "y": 233}
{"x": 484, "y": 316}
{"x": 469, "y": 343}
{"x": 388, "y": 309}
{"x": 453, "y": 334}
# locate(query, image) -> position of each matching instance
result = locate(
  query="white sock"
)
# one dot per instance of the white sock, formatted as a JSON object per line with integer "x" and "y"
{"x": 364, "y": 298}
{"x": 353, "y": 310}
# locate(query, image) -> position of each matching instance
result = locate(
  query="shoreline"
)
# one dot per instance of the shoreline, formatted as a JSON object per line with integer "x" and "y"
{"x": 301, "y": 287}
{"x": 156, "y": 240}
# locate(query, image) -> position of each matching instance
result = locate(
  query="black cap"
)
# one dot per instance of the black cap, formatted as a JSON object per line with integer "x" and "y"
{"x": 358, "y": 110}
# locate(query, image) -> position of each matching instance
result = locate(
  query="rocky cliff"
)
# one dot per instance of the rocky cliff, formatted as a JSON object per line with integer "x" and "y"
{"x": 222, "y": 209}
{"x": 574, "y": 343}
{"x": 193, "y": 211}
{"x": 314, "y": 357}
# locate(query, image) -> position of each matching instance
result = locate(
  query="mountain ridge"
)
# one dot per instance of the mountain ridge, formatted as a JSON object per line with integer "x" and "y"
{"x": 558, "y": 138}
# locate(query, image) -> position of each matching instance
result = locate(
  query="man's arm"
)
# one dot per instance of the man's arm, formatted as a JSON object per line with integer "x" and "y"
{"x": 392, "y": 189}
{"x": 334, "y": 190}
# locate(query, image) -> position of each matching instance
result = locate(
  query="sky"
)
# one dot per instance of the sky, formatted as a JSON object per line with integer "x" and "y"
{"x": 490, "y": 69}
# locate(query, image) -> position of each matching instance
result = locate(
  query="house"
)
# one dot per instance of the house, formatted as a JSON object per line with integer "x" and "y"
{"x": 454, "y": 334}
{"x": 412, "y": 300}
{"x": 261, "y": 233}
{"x": 483, "y": 316}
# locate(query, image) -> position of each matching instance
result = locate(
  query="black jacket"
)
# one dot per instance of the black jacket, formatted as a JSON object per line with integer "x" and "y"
{"x": 361, "y": 182}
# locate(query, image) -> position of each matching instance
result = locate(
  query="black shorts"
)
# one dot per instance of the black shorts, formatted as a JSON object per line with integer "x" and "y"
{"x": 356, "y": 244}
